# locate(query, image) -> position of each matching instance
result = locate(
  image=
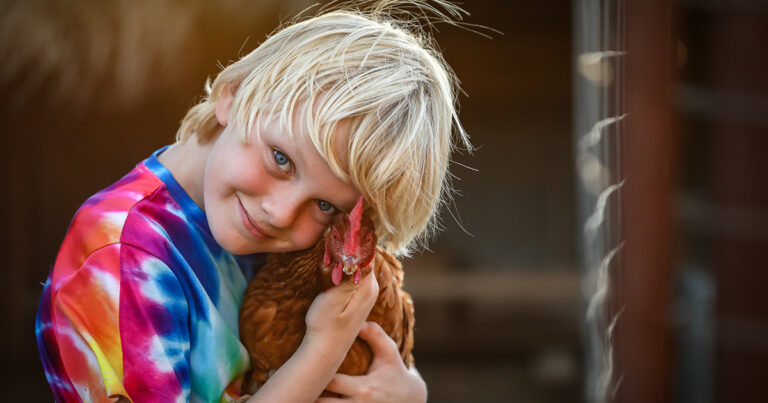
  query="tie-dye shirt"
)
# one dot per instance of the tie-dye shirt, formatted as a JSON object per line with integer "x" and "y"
{"x": 142, "y": 302}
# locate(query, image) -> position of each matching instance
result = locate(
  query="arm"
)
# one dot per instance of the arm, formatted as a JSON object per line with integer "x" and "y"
{"x": 333, "y": 322}
{"x": 387, "y": 369}
{"x": 98, "y": 320}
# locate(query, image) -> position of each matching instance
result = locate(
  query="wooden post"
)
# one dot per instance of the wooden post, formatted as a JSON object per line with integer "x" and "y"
{"x": 643, "y": 283}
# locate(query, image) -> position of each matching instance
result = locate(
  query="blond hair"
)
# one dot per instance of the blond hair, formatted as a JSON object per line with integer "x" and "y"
{"x": 388, "y": 81}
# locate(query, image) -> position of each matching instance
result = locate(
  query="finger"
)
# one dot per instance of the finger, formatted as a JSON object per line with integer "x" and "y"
{"x": 330, "y": 400}
{"x": 344, "y": 384}
{"x": 381, "y": 344}
{"x": 365, "y": 296}
{"x": 340, "y": 295}
{"x": 367, "y": 269}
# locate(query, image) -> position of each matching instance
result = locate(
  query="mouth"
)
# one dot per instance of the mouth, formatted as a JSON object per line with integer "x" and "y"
{"x": 249, "y": 224}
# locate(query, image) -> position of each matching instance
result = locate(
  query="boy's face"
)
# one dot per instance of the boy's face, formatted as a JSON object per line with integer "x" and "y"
{"x": 272, "y": 194}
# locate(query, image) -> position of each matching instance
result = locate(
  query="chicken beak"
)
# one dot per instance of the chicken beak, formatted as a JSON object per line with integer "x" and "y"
{"x": 352, "y": 268}
{"x": 350, "y": 265}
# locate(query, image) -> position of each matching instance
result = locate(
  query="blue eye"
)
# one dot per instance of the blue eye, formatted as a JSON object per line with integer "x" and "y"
{"x": 324, "y": 205}
{"x": 282, "y": 160}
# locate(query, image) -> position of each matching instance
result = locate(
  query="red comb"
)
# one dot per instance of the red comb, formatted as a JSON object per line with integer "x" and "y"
{"x": 355, "y": 221}
{"x": 355, "y": 217}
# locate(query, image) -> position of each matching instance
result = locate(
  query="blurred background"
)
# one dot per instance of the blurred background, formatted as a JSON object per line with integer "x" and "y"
{"x": 606, "y": 244}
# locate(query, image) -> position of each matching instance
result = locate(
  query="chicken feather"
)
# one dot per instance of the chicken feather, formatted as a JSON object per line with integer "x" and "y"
{"x": 276, "y": 301}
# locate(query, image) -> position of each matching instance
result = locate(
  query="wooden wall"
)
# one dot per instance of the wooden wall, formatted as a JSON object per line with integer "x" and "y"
{"x": 92, "y": 88}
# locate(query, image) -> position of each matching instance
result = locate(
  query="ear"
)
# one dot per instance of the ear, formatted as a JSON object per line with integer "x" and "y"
{"x": 224, "y": 104}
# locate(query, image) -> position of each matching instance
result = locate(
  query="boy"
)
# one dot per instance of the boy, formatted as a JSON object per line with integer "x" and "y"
{"x": 142, "y": 303}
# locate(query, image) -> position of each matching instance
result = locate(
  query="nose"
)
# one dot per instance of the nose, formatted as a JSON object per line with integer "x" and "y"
{"x": 281, "y": 206}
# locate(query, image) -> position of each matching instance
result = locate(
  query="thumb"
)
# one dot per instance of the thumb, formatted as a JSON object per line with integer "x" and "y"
{"x": 381, "y": 344}
{"x": 342, "y": 294}
{"x": 347, "y": 293}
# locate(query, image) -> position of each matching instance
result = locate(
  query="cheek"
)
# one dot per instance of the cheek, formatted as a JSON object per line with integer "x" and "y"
{"x": 306, "y": 233}
{"x": 210, "y": 186}
{"x": 234, "y": 169}
{"x": 216, "y": 169}
{"x": 219, "y": 201}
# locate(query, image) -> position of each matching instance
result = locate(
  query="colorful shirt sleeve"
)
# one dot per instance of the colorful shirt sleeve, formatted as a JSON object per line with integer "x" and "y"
{"x": 122, "y": 325}
{"x": 85, "y": 321}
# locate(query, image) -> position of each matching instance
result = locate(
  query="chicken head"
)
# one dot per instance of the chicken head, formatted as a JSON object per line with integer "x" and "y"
{"x": 350, "y": 245}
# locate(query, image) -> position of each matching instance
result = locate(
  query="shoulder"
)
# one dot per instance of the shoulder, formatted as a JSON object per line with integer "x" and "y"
{"x": 101, "y": 219}
{"x": 98, "y": 285}
{"x": 103, "y": 215}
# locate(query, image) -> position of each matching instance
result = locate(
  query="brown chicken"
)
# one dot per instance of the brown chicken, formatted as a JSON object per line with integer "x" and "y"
{"x": 277, "y": 299}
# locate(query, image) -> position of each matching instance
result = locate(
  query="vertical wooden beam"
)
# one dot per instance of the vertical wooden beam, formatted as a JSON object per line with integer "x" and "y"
{"x": 643, "y": 284}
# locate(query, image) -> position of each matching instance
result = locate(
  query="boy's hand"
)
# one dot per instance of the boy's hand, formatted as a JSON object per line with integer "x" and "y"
{"x": 333, "y": 321}
{"x": 335, "y": 317}
{"x": 387, "y": 380}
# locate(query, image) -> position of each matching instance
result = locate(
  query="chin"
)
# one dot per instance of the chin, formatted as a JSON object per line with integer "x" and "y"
{"x": 239, "y": 248}
{"x": 229, "y": 239}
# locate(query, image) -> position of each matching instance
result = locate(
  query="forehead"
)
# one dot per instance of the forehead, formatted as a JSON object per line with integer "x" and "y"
{"x": 329, "y": 139}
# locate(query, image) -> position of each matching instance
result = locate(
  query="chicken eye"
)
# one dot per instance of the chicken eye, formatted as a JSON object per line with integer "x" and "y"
{"x": 335, "y": 235}
{"x": 282, "y": 160}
